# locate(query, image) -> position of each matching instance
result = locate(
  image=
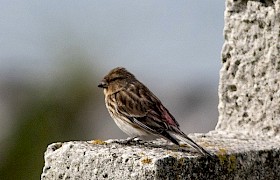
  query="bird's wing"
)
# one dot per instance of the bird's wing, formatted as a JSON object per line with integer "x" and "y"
{"x": 144, "y": 108}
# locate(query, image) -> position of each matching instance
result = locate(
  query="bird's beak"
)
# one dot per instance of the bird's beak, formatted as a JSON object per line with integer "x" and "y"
{"x": 102, "y": 84}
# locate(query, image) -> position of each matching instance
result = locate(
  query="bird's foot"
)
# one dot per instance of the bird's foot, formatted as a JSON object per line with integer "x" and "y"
{"x": 129, "y": 141}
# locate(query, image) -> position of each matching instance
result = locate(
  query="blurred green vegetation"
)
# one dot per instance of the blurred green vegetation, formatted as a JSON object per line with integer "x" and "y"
{"x": 46, "y": 113}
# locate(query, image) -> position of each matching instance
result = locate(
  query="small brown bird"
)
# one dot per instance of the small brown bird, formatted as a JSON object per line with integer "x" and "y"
{"x": 138, "y": 112}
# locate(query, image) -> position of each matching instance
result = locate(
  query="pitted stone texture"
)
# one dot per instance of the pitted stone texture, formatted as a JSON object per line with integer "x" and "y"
{"x": 86, "y": 160}
{"x": 249, "y": 90}
{"x": 236, "y": 159}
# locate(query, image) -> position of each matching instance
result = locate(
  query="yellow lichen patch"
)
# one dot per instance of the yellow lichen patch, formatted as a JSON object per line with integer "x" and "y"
{"x": 184, "y": 145}
{"x": 182, "y": 161}
{"x": 230, "y": 161}
{"x": 98, "y": 141}
{"x": 146, "y": 160}
{"x": 222, "y": 156}
{"x": 222, "y": 151}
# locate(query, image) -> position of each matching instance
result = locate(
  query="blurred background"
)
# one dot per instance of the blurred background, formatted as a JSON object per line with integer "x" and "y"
{"x": 54, "y": 53}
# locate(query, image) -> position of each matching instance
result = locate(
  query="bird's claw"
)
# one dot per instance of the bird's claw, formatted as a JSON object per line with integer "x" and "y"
{"x": 129, "y": 141}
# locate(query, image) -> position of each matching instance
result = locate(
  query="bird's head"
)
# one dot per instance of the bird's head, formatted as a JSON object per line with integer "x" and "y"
{"x": 117, "y": 79}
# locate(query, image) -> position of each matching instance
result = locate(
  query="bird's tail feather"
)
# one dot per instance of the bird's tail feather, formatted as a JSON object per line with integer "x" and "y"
{"x": 184, "y": 138}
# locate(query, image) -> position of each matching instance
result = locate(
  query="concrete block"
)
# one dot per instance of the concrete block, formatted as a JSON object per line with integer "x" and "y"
{"x": 249, "y": 89}
{"x": 235, "y": 159}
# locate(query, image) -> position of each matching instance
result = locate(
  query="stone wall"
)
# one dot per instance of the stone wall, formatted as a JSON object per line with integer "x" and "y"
{"x": 249, "y": 89}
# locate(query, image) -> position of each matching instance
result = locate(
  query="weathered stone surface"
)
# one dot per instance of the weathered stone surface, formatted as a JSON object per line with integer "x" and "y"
{"x": 95, "y": 160}
{"x": 236, "y": 159}
{"x": 249, "y": 89}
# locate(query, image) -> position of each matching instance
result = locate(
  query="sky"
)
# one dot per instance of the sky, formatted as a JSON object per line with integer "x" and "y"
{"x": 178, "y": 41}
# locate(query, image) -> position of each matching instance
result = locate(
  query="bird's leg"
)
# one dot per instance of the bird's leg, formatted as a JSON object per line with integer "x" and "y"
{"x": 130, "y": 139}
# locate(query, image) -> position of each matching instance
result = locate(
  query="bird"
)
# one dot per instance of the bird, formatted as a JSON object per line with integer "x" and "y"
{"x": 138, "y": 112}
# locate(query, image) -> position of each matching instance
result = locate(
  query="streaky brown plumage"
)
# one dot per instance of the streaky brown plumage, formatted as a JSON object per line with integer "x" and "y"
{"x": 138, "y": 112}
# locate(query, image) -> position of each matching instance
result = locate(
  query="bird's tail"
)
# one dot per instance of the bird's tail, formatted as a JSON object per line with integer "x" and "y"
{"x": 184, "y": 138}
